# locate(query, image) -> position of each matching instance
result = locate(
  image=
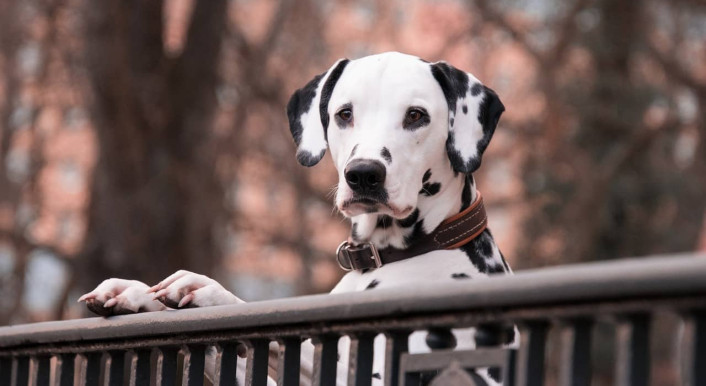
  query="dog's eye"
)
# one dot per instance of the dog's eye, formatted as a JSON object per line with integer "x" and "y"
{"x": 415, "y": 118}
{"x": 414, "y": 115}
{"x": 346, "y": 115}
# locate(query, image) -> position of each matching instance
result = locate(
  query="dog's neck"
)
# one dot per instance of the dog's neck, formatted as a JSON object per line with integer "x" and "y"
{"x": 444, "y": 194}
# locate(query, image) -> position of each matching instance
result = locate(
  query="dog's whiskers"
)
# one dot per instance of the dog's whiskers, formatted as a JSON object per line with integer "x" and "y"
{"x": 332, "y": 192}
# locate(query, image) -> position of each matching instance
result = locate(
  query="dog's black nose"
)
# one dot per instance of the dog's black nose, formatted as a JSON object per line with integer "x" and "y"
{"x": 365, "y": 176}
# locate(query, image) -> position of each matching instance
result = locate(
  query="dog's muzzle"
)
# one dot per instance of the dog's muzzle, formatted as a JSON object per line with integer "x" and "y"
{"x": 364, "y": 256}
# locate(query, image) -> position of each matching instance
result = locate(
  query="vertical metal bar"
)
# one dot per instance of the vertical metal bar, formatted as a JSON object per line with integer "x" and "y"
{"x": 41, "y": 371}
{"x": 396, "y": 343}
{"x": 66, "y": 364}
{"x": 257, "y": 360}
{"x": 226, "y": 364}
{"x": 694, "y": 349}
{"x": 89, "y": 369}
{"x": 115, "y": 367}
{"x": 509, "y": 370}
{"x": 633, "y": 346}
{"x": 5, "y": 371}
{"x": 194, "y": 356}
{"x": 360, "y": 365}
{"x": 325, "y": 359}
{"x": 139, "y": 368}
{"x": 166, "y": 366}
{"x": 576, "y": 355}
{"x": 20, "y": 374}
{"x": 530, "y": 360}
{"x": 289, "y": 361}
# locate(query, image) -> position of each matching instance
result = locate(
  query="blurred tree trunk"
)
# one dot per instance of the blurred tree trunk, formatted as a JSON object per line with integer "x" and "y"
{"x": 640, "y": 200}
{"x": 611, "y": 184}
{"x": 156, "y": 199}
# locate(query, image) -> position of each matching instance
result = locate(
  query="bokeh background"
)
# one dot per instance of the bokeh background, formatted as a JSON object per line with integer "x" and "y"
{"x": 142, "y": 137}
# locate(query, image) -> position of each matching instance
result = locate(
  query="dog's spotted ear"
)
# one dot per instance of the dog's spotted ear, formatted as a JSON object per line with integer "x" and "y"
{"x": 474, "y": 111}
{"x": 307, "y": 111}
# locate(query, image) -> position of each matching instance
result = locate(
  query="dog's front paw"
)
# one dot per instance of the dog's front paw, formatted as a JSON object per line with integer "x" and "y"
{"x": 186, "y": 289}
{"x": 119, "y": 297}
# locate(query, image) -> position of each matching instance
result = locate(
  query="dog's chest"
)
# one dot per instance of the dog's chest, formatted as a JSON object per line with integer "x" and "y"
{"x": 432, "y": 267}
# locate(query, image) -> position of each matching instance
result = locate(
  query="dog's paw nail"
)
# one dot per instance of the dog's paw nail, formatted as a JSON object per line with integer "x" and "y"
{"x": 186, "y": 299}
{"x": 110, "y": 303}
{"x": 86, "y": 297}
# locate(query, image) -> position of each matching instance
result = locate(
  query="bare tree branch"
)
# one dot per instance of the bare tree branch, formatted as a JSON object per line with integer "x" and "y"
{"x": 494, "y": 16}
{"x": 566, "y": 30}
{"x": 675, "y": 70}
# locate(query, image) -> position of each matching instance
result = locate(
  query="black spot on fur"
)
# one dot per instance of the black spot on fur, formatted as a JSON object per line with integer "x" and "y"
{"x": 427, "y": 176}
{"x": 495, "y": 374}
{"x": 466, "y": 194}
{"x": 372, "y": 284}
{"x": 507, "y": 267}
{"x": 489, "y": 113}
{"x": 477, "y": 380}
{"x": 417, "y": 232}
{"x": 485, "y": 248}
{"x": 307, "y": 159}
{"x": 299, "y": 103}
{"x": 453, "y": 82}
{"x": 465, "y": 109}
{"x": 488, "y": 335}
{"x": 480, "y": 253}
{"x": 385, "y": 154}
{"x": 354, "y": 232}
{"x": 326, "y": 92}
{"x": 457, "y": 161}
{"x": 476, "y": 89}
{"x": 409, "y": 220}
{"x": 451, "y": 121}
{"x": 430, "y": 189}
{"x": 377, "y": 376}
{"x": 384, "y": 222}
{"x": 460, "y": 275}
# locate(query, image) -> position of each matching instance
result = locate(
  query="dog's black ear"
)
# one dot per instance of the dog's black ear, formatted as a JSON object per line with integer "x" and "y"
{"x": 474, "y": 111}
{"x": 307, "y": 111}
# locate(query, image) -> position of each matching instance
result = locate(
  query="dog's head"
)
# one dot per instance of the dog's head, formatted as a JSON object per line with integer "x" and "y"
{"x": 388, "y": 119}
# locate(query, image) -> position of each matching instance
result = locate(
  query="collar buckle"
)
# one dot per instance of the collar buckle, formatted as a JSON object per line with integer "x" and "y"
{"x": 356, "y": 257}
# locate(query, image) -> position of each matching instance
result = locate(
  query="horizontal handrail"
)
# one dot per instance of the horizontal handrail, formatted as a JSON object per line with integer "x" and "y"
{"x": 654, "y": 277}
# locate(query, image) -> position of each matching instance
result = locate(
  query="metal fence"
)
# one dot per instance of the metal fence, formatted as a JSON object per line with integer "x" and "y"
{"x": 169, "y": 347}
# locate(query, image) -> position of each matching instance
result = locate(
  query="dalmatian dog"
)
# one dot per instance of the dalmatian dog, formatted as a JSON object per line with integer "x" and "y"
{"x": 405, "y": 136}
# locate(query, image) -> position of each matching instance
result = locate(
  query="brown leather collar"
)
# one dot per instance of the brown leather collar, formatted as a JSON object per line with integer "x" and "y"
{"x": 452, "y": 233}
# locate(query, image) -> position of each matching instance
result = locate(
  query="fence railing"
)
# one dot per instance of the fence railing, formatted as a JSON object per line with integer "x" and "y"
{"x": 557, "y": 311}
